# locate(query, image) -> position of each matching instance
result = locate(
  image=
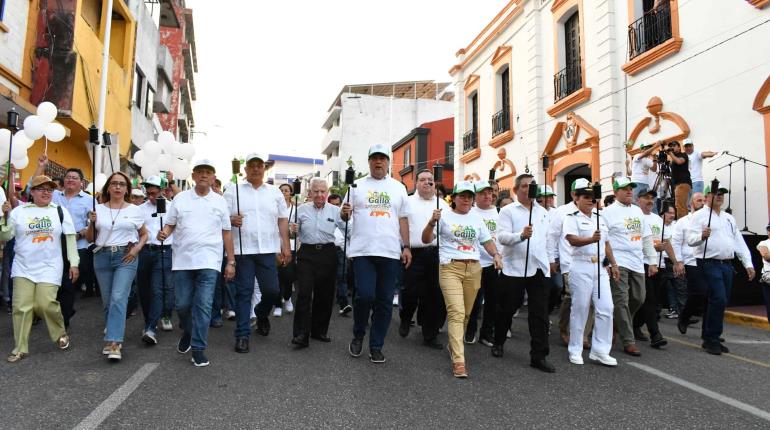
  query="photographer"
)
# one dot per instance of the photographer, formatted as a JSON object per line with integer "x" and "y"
{"x": 680, "y": 176}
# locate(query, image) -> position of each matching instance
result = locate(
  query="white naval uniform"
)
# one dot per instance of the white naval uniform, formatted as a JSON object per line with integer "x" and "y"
{"x": 584, "y": 285}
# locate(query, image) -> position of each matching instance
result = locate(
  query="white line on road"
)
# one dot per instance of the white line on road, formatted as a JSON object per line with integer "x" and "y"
{"x": 705, "y": 391}
{"x": 749, "y": 342}
{"x": 120, "y": 395}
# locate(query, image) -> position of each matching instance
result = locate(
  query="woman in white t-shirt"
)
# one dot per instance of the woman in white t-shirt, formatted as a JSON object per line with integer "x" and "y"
{"x": 287, "y": 274}
{"x": 120, "y": 235}
{"x": 38, "y": 264}
{"x": 461, "y": 235}
{"x": 764, "y": 250}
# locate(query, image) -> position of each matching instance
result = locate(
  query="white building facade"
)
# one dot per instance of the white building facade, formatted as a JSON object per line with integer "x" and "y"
{"x": 286, "y": 168}
{"x": 363, "y": 115}
{"x": 576, "y": 80}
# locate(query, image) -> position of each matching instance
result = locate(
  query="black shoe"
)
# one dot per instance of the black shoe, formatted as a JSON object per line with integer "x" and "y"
{"x": 199, "y": 359}
{"x": 682, "y": 326}
{"x": 692, "y": 321}
{"x": 242, "y": 345}
{"x": 183, "y": 346}
{"x": 712, "y": 348}
{"x": 721, "y": 339}
{"x": 375, "y": 356}
{"x": 356, "y": 345}
{"x": 639, "y": 335}
{"x": 658, "y": 341}
{"x": 321, "y": 338}
{"x": 724, "y": 349}
{"x": 433, "y": 343}
{"x": 403, "y": 328}
{"x": 345, "y": 310}
{"x": 497, "y": 351}
{"x": 300, "y": 341}
{"x": 470, "y": 337}
{"x": 217, "y": 323}
{"x": 486, "y": 340}
{"x": 263, "y": 326}
{"x": 542, "y": 364}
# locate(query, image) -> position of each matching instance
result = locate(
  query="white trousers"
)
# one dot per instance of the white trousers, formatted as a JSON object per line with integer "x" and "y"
{"x": 583, "y": 286}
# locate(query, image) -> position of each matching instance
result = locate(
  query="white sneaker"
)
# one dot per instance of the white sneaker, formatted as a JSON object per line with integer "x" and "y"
{"x": 395, "y": 300}
{"x": 604, "y": 359}
{"x": 278, "y": 311}
{"x": 288, "y": 306}
{"x": 508, "y": 335}
{"x": 575, "y": 359}
{"x": 165, "y": 324}
{"x": 230, "y": 315}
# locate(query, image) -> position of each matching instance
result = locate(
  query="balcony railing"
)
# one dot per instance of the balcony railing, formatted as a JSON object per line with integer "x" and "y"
{"x": 501, "y": 122}
{"x": 567, "y": 81}
{"x": 649, "y": 31}
{"x": 470, "y": 141}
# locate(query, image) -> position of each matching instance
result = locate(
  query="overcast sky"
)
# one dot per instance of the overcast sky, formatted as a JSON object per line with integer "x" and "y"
{"x": 268, "y": 71}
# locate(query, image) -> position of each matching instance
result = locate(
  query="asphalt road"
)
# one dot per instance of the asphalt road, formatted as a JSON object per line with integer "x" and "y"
{"x": 275, "y": 386}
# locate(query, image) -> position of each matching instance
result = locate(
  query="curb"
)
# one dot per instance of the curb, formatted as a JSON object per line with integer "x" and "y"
{"x": 747, "y": 320}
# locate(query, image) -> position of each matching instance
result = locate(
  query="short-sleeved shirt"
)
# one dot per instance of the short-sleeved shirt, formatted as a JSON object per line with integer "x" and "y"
{"x": 627, "y": 229}
{"x": 680, "y": 173}
{"x": 462, "y": 236}
{"x": 198, "y": 221}
{"x": 38, "y": 242}
{"x": 696, "y": 166}
{"x": 765, "y": 263}
{"x": 317, "y": 225}
{"x": 640, "y": 169}
{"x": 118, "y": 227}
{"x": 261, "y": 208}
{"x": 581, "y": 225}
{"x": 378, "y": 205}
{"x": 490, "y": 217}
{"x": 78, "y": 206}
{"x": 152, "y": 223}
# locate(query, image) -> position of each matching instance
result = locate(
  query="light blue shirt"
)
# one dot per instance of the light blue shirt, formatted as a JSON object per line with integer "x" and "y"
{"x": 316, "y": 226}
{"x": 78, "y": 206}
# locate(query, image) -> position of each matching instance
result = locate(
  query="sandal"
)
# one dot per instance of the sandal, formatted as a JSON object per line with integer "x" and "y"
{"x": 13, "y": 358}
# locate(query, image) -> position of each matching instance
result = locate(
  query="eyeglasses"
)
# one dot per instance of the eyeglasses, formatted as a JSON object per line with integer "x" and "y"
{"x": 118, "y": 184}
{"x": 43, "y": 190}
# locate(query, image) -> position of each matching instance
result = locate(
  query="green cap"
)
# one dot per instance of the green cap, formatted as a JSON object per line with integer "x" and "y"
{"x": 720, "y": 190}
{"x": 481, "y": 185}
{"x": 545, "y": 191}
{"x": 464, "y": 186}
{"x": 622, "y": 182}
{"x": 580, "y": 183}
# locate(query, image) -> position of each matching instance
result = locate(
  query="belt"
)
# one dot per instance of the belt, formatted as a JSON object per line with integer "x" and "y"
{"x": 716, "y": 260}
{"x": 318, "y": 246}
{"x": 152, "y": 247}
{"x": 111, "y": 248}
{"x": 467, "y": 261}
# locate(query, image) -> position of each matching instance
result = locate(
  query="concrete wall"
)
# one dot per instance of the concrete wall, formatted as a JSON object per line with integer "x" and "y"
{"x": 12, "y": 42}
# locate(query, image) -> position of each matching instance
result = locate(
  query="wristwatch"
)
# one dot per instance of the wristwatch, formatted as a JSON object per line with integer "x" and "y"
{"x": 231, "y": 263}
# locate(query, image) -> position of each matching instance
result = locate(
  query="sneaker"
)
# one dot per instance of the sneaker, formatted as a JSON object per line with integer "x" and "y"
{"x": 63, "y": 342}
{"x": 199, "y": 359}
{"x": 278, "y": 311}
{"x": 356, "y": 345}
{"x": 458, "y": 370}
{"x": 106, "y": 350}
{"x": 658, "y": 341}
{"x": 470, "y": 338}
{"x": 672, "y": 314}
{"x": 485, "y": 341}
{"x": 263, "y": 326}
{"x": 115, "y": 354}
{"x": 149, "y": 338}
{"x": 165, "y": 324}
{"x": 604, "y": 359}
{"x": 395, "y": 300}
{"x": 183, "y": 346}
{"x": 508, "y": 334}
{"x": 253, "y": 322}
{"x": 376, "y": 356}
{"x": 345, "y": 310}
{"x": 288, "y": 306}
{"x": 575, "y": 359}
{"x": 230, "y": 315}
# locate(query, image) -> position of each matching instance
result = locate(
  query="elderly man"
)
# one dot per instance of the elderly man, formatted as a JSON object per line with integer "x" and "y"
{"x": 317, "y": 221}
{"x": 378, "y": 244}
{"x": 696, "y": 290}
{"x": 263, "y": 235}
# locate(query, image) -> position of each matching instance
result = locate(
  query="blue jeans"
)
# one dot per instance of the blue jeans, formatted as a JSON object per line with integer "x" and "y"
{"x": 224, "y": 296}
{"x": 115, "y": 278}
{"x": 155, "y": 299}
{"x": 248, "y": 267}
{"x": 375, "y": 279}
{"x": 641, "y": 187}
{"x": 697, "y": 187}
{"x": 342, "y": 283}
{"x": 719, "y": 283}
{"x": 194, "y": 293}
{"x": 766, "y": 293}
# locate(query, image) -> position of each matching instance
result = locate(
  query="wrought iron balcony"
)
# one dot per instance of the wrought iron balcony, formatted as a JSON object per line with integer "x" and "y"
{"x": 501, "y": 122}
{"x": 649, "y": 31}
{"x": 567, "y": 81}
{"x": 470, "y": 141}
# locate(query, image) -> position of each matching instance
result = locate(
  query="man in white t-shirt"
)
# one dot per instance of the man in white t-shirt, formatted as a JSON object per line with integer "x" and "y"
{"x": 696, "y": 165}
{"x": 641, "y": 166}
{"x": 764, "y": 250}
{"x": 200, "y": 221}
{"x": 379, "y": 243}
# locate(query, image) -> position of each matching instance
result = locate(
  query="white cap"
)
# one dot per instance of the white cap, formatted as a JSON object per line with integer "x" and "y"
{"x": 257, "y": 155}
{"x": 153, "y": 181}
{"x": 379, "y": 148}
{"x": 136, "y": 192}
{"x": 580, "y": 183}
{"x": 204, "y": 162}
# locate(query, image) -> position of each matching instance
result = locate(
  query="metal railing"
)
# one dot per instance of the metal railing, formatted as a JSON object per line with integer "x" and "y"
{"x": 501, "y": 122}
{"x": 567, "y": 81}
{"x": 649, "y": 31}
{"x": 470, "y": 141}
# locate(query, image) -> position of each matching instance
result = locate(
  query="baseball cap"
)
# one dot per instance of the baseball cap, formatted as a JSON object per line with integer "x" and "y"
{"x": 379, "y": 148}
{"x": 720, "y": 190}
{"x": 464, "y": 186}
{"x": 584, "y": 191}
{"x": 481, "y": 185}
{"x": 622, "y": 182}
{"x": 688, "y": 141}
{"x": 545, "y": 191}
{"x": 580, "y": 183}
{"x": 153, "y": 181}
{"x": 651, "y": 193}
{"x": 42, "y": 180}
{"x": 204, "y": 162}
{"x": 257, "y": 156}
{"x": 136, "y": 192}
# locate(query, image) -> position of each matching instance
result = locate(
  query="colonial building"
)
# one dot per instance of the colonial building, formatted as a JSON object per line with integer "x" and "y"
{"x": 585, "y": 83}
{"x": 422, "y": 148}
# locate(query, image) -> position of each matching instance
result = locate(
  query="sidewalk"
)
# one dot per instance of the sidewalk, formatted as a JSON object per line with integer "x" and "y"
{"x": 751, "y": 316}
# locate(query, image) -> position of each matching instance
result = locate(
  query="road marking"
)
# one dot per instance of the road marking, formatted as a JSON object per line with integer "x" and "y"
{"x": 704, "y": 391}
{"x": 750, "y": 342}
{"x": 731, "y": 355}
{"x": 98, "y": 415}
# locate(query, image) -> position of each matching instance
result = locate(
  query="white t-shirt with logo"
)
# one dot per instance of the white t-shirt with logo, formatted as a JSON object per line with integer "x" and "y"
{"x": 378, "y": 204}
{"x": 765, "y": 263}
{"x": 627, "y": 229}
{"x": 490, "y": 217}
{"x": 696, "y": 166}
{"x": 640, "y": 169}
{"x": 656, "y": 227}
{"x": 118, "y": 227}
{"x": 461, "y": 236}
{"x": 38, "y": 242}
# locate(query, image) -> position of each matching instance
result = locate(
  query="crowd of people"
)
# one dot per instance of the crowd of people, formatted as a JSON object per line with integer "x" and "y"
{"x": 477, "y": 253}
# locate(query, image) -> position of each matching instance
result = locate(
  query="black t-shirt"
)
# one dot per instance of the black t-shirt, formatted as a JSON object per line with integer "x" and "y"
{"x": 680, "y": 173}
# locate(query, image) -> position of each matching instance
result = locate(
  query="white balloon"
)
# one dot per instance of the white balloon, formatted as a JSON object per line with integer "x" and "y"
{"x": 150, "y": 169}
{"x": 18, "y": 151}
{"x": 187, "y": 151}
{"x": 101, "y": 179}
{"x": 21, "y": 141}
{"x": 47, "y": 111}
{"x": 5, "y": 138}
{"x": 21, "y": 162}
{"x": 164, "y": 162}
{"x": 183, "y": 170}
{"x": 152, "y": 149}
{"x": 4, "y": 158}
{"x": 34, "y": 127}
{"x": 166, "y": 148}
{"x": 166, "y": 137}
{"x": 140, "y": 157}
{"x": 55, "y": 132}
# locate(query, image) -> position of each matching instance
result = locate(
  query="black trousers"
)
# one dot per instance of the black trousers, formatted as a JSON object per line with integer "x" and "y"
{"x": 66, "y": 295}
{"x": 510, "y": 296}
{"x": 488, "y": 291}
{"x": 422, "y": 293}
{"x": 316, "y": 285}
{"x": 696, "y": 294}
{"x": 647, "y": 313}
